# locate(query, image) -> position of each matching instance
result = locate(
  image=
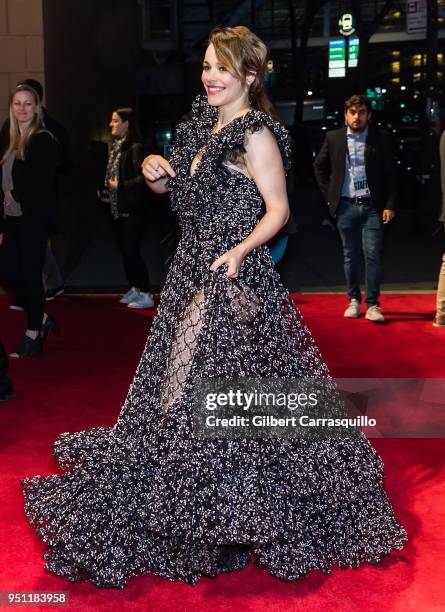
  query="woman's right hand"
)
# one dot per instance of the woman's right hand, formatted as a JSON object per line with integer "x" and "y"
{"x": 155, "y": 167}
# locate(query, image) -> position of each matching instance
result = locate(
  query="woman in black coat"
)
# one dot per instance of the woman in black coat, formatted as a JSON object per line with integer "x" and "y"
{"x": 128, "y": 196}
{"x": 28, "y": 175}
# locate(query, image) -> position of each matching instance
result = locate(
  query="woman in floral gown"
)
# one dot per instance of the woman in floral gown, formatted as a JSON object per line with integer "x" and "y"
{"x": 149, "y": 495}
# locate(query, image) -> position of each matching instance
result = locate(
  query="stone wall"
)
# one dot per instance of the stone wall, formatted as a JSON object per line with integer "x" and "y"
{"x": 21, "y": 46}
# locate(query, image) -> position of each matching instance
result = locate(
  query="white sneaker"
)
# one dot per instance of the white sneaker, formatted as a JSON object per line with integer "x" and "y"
{"x": 374, "y": 314}
{"x": 439, "y": 321}
{"x": 353, "y": 310}
{"x": 144, "y": 300}
{"x": 131, "y": 295}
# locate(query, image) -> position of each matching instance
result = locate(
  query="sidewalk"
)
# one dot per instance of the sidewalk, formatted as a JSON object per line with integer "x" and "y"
{"x": 313, "y": 262}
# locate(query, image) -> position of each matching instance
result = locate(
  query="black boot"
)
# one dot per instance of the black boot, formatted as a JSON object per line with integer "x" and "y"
{"x": 49, "y": 325}
{"x": 7, "y": 394}
{"x": 28, "y": 347}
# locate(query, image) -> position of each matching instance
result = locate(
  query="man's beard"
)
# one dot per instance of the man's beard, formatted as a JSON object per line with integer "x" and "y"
{"x": 357, "y": 129}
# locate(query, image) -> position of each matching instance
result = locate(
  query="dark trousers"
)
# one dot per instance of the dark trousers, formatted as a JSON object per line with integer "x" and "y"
{"x": 129, "y": 233}
{"x": 5, "y": 381}
{"x": 54, "y": 278}
{"x": 361, "y": 230}
{"x": 22, "y": 257}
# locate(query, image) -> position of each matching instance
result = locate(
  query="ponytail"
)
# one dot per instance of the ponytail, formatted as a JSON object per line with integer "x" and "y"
{"x": 260, "y": 100}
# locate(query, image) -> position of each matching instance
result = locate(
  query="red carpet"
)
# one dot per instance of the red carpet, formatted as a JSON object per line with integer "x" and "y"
{"x": 81, "y": 381}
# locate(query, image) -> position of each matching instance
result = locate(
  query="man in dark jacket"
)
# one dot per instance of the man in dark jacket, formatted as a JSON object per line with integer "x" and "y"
{"x": 357, "y": 174}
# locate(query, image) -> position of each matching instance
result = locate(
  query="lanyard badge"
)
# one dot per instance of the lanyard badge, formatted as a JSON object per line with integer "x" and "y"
{"x": 357, "y": 173}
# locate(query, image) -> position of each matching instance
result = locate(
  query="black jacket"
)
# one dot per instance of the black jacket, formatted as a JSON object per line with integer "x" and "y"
{"x": 133, "y": 192}
{"x": 34, "y": 180}
{"x": 64, "y": 153}
{"x": 442, "y": 175}
{"x": 380, "y": 162}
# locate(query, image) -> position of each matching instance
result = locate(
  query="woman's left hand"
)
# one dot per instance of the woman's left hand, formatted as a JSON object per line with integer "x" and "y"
{"x": 233, "y": 259}
{"x": 113, "y": 183}
{"x": 8, "y": 199}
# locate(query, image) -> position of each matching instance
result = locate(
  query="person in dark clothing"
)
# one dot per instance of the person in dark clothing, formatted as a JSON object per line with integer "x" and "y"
{"x": 52, "y": 274}
{"x": 28, "y": 185}
{"x": 64, "y": 153}
{"x": 439, "y": 319}
{"x": 6, "y": 390}
{"x": 128, "y": 196}
{"x": 357, "y": 174}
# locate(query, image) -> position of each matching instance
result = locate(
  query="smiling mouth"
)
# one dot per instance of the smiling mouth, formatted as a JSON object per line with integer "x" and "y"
{"x": 212, "y": 90}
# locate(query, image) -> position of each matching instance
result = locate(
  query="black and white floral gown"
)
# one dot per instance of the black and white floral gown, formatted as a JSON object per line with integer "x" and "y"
{"x": 148, "y": 495}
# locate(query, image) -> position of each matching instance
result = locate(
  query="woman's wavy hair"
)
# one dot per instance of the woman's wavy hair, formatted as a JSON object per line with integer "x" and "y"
{"x": 18, "y": 141}
{"x": 134, "y": 131}
{"x": 242, "y": 53}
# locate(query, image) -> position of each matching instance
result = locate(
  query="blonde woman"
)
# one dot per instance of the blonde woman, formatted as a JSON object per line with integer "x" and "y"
{"x": 155, "y": 493}
{"x": 28, "y": 172}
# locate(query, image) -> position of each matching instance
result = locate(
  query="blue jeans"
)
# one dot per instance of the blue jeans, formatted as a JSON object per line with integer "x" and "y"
{"x": 361, "y": 229}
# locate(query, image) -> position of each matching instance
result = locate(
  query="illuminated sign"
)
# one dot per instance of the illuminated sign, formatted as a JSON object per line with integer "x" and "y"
{"x": 353, "y": 50}
{"x": 416, "y": 16}
{"x": 346, "y": 24}
{"x": 377, "y": 98}
{"x": 337, "y": 58}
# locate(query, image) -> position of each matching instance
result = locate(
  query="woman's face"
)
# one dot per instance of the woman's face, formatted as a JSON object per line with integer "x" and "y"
{"x": 222, "y": 87}
{"x": 118, "y": 127}
{"x": 24, "y": 107}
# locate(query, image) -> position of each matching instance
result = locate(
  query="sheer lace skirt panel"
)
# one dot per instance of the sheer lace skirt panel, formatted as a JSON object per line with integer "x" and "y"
{"x": 182, "y": 351}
